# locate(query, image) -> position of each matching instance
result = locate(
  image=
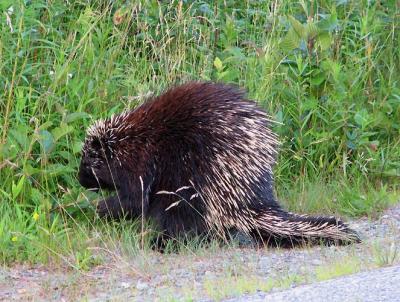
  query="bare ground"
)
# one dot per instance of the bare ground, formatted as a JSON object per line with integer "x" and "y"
{"x": 212, "y": 274}
{"x": 379, "y": 285}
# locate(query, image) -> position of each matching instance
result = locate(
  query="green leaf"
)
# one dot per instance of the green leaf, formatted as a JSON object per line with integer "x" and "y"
{"x": 5, "y": 4}
{"x": 351, "y": 145}
{"x": 20, "y": 100}
{"x": 59, "y": 132}
{"x": 218, "y": 63}
{"x": 362, "y": 118}
{"x": 324, "y": 40}
{"x": 228, "y": 75}
{"x": 392, "y": 172}
{"x": 46, "y": 141}
{"x": 279, "y": 116}
{"x": 317, "y": 78}
{"x": 311, "y": 30}
{"x": 29, "y": 170}
{"x": 45, "y": 125}
{"x": 57, "y": 169}
{"x": 77, "y": 147}
{"x": 236, "y": 54}
{"x": 290, "y": 42}
{"x": 67, "y": 155}
{"x": 6, "y": 194}
{"x": 17, "y": 188}
{"x": 333, "y": 68}
{"x": 298, "y": 27}
{"x": 76, "y": 116}
{"x": 21, "y": 136}
{"x": 37, "y": 196}
{"x": 329, "y": 23}
{"x": 310, "y": 104}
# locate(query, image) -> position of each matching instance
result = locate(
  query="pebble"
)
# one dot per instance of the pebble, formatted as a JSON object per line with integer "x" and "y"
{"x": 125, "y": 284}
{"x": 316, "y": 262}
{"x": 175, "y": 276}
{"x": 208, "y": 273}
{"x": 140, "y": 285}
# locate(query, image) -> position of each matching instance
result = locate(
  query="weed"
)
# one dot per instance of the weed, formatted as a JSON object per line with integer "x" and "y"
{"x": 326, "y": 71}
{"x": 229, "y": 286}
{"x": 385, "y": 254}
{"x": 338, "y": 268}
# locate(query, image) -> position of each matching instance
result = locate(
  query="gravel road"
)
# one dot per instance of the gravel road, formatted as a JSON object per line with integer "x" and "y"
{"x": 220, "y": 273}
{"x": 372, "y": 286}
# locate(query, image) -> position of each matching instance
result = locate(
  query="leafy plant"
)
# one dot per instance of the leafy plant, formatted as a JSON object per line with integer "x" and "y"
{"x": 327, "y": 71}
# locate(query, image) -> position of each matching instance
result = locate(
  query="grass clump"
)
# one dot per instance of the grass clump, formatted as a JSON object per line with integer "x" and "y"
{"x": 385, "y": 253}
{"x": 351, "y": 198}
{"x": 231, "y": 286}
{"x": 326, "y": 71}
{"x": 343, "y": 267}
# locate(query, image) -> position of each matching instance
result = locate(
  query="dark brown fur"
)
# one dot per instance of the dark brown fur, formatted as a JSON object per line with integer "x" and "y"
{"x": 197, "y": 159}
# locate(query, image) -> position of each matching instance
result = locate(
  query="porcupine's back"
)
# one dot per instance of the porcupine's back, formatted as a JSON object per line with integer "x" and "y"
{"x": 213, "y": 147}
{"x": 219, "y": 144}
{"x": 215, "y": 140}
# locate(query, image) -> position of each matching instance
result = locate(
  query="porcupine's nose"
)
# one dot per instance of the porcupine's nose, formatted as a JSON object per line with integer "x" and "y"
{"x": 86, "y": 177}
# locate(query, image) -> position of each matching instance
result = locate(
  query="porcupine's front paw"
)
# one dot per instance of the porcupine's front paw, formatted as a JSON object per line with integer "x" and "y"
{"x": 109, "y": 208}
{"x": 102, "y": 209}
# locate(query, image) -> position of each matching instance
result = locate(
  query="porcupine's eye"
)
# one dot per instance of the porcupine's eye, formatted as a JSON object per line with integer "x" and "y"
{"x": 96, "y": 144}
{"x": 93, "y": 154}
{"x": 86, "y": 176}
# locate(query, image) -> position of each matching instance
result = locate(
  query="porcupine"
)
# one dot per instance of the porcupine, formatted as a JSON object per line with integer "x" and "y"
{"x": 197, "y": 159}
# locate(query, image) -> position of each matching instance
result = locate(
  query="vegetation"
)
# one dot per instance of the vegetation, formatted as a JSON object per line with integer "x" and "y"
{"x": 327, "y": 71}
{"x": 222, "y": 288}
{"x": 339, "y": 268}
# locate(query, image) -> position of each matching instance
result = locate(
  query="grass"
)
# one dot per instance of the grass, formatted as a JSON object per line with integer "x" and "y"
{"x": 216, "y": 275}
{"x": 375, "y": 254}
{"x": 385, "y": 253}
{"x": 338, "y": 196}
{"x": 228, "y": 286}
{"x": 326, "y": 71}
{"x": 339, "y": 268}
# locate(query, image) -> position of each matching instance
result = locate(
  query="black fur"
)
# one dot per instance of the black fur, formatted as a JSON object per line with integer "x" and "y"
{"x": 196, "y": 159}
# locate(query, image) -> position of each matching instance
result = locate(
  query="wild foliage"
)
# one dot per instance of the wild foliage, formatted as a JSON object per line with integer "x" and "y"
{"x": 327, "y": 71}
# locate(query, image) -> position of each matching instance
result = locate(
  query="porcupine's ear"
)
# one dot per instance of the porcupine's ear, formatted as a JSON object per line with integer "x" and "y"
{"x": 101, "y": 138}
{"x": 102, "y": 145}
{"x": 96, "y": 144}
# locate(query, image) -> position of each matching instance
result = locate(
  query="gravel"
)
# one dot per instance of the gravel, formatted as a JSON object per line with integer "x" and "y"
{"x": 372, "y": 286}
{"x": 222, "y": 273}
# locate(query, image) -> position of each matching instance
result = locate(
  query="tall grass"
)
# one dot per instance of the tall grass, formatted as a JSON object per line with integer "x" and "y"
{"x": 327, "y": 71}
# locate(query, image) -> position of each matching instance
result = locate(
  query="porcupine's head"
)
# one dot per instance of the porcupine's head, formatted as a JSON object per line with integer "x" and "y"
{"x": 100, "y": 163}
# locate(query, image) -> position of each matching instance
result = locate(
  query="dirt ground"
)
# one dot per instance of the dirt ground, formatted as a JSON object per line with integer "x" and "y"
{"x": 211, "y": 274}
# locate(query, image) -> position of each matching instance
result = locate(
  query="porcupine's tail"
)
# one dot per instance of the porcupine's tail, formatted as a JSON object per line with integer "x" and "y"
{"x": 278, "y": 227}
